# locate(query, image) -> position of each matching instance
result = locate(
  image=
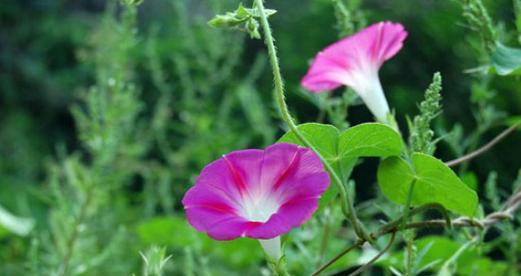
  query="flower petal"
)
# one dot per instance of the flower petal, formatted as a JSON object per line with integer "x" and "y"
{"x": 363, "y": 53}
{"x": 287, "y": 162}
{"x": 255, "y": 193}
{"x": 218, "y": 225}
{"x": 289, "y": 216}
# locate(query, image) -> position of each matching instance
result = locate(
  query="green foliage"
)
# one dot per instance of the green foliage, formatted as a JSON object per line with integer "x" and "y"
{"x": 154, "y": 260}
{"x": 506, "y": 60}
{"x": 436, "y": 251}
{"x": 369, "y": 140}
{"x": 132, "y": 2}
{"x": 325, "y": 140}
{"x": 342, "y": 150}
{"x": 13, "y": 224}
{"x": 349, "y": 16}
{"x": 479, "y": 20}
{"x": 346, "y": 147}
{"x": 241, "y": 16}
{"x": 433, "y": 181}
{"x": 517, "y": 11}
{"x": 108, "y": 112}
{"x": 421, "y": 135}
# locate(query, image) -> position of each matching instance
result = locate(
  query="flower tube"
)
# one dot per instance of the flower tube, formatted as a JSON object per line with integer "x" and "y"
{"x": 260, "y": 194}
{"x": 354, "y": 61}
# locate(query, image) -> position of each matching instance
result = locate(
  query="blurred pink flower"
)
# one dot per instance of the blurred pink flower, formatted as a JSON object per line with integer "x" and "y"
{"x": 260, "y": 194}
{"x": 354, "y": 61}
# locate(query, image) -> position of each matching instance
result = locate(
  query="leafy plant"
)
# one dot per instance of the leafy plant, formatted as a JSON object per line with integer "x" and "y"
{"x": 109, "y": 112}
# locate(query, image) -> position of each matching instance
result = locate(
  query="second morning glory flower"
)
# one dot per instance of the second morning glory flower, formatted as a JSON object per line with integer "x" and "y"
{"x": 354, "y": 61}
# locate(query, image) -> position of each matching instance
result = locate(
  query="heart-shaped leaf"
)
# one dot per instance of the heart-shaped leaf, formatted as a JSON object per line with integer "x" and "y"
{"x": 325, "y": 140}
{"x": 323, "y": 137}
{"x": 342, "y": 150}
{"x": 435, "y": 183}
{"x": 369, "y": 140}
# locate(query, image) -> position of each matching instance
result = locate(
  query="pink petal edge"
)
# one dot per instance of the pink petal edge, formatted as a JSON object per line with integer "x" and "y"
{"x": 286, "y": 175}
{"x": 363, "y": 53}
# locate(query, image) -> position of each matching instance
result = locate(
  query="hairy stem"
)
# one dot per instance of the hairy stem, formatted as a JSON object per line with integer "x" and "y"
{"x": 347, "y": 206}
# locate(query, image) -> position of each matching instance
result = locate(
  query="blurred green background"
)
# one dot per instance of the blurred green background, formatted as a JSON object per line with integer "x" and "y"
{"x": 174, "y": 94}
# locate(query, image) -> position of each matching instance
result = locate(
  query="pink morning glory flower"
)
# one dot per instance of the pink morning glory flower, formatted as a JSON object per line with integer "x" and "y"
{"x": 260, "y": 194}
{"x": 354, "y": 61}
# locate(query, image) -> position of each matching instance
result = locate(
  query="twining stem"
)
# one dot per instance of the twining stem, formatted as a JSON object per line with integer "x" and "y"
{"x": 408, "y": 235}
{"x": 506, "y": 213}
{"x": 407, "y": 207}
{"x": 390, "y": 227}
{"x": 338, "y": 256}
{"x": 375, "y": 258}
{"x": 347, "y": 206}
{"x": 484, "y": 148}
{"x": 396, "y": 224}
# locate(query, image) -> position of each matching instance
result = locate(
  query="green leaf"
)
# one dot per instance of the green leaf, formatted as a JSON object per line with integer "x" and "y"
{"x": 370, "y": 140}
{"x": 132, "y": 2}
{"x": 364, "y": 140}
{"x": 342, "y": 150}
{"x": 255, "y": 12}
{"x": 323, "y": 137}
{"x": 513, "y": 120}
{"x": 175, "y": 232}
{"x": 471, "y": 180}
{"x": 167, "y": 231}
{"x": 154, "y": 260}
{"x": 14, "y": 224}
{"x": 242, "y": 15}
{"x": 506, "y": 60}
{"x": 325, "y": 140}
{"x": 437, "y": 249}
{"x": 435, "y": 183}
{"x": 231, "y": 19}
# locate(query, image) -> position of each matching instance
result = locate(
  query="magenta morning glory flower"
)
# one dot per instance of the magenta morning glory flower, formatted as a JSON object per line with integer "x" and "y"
{"x": 354, "y": 61}
{"x": 260, "y": 194}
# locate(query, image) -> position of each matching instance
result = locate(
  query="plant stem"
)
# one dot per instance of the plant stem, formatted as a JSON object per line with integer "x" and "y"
{"x": 347, "y": 206}
{"x": 338, "y": 256}
{"x": 73, "y": 238}
{"x": 326, "y": 232}
{"x": 510, "y": 207}
{"x": 484, "y": 148}
{"x": 391, "y": 227}
{"x": 408, "y": 235}
{"x": 375, "y": 258}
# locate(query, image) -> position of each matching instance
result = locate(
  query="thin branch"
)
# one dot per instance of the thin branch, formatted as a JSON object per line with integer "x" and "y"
{"x": 483, "y": 149}
{"x": 73, "y": 238}
{"x": 338, "y": 256}
{"x": 510, "y": 207}
{"x": 393, "y": 225}
{"x": 506, "y": 213}
{"x": 368, "y": 264}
